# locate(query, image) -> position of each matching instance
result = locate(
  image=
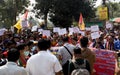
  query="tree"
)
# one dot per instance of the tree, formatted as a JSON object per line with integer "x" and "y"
{"x": 67, "y": 11}
{"x": 9, "y": 9}
{"x": 63, "y": 12}
{"x": 113, "y": 9}
{"x": 44, "y": 7}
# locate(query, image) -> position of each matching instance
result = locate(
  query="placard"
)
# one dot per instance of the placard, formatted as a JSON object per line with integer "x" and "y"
{"x": 46, "y": 32}
{"x": 40, "y": 30}
{"x": 24, "y": 23}
{"x": 76, "y": 30}
{"x": 34, "y": 28}
{"x": 82, "y": 33}
{"x": 94, "y": 28}
{"x": 56, "y": 29}
{"x": 62, "y": 31}
{"x": 109, "y": 25}
{"x": 2, "y": 31}
{"x": 71, "y": 30}
{"x": 105, "y": 62}
{"x": 95, "y": 35}
{"x": 54, "y": 50}
{"x": 88, "y": 29}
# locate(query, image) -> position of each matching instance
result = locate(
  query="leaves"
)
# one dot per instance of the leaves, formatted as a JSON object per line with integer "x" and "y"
{"x": 10, "y": 9}
{"x": 63, "y": 12}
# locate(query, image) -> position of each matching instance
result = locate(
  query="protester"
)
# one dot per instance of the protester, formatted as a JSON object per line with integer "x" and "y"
{"x": 11, "y": 67}
{"x": 2, "y": 61}
{"x": 77, "y": 59}
{"x": 87, "y": 53}
{"x": 66, "y": 53}
{"x": 43, "y": 63}
{"x": 22, "y": 60}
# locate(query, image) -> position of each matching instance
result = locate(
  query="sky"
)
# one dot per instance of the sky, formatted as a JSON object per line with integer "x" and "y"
{"x": 99, "y": 2}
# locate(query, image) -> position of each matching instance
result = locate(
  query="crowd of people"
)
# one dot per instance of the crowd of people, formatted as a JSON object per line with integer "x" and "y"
{"x": 28, "y": 53}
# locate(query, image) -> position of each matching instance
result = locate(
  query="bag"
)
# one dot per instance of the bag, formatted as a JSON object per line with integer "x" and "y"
{"x": 65, "y": 66}
{"x": 80, "y": 69}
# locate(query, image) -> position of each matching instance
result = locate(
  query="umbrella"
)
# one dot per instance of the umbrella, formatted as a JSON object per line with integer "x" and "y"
{"x": 117, "y": 20}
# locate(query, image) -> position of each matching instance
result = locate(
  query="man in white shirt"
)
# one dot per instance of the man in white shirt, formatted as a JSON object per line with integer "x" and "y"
{"x": 43, "y": 63}
{"x": 65, "y": 55}
{"x": 11, "y": 67}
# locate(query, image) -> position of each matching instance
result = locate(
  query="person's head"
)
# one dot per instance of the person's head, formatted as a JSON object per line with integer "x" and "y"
{"x": 13, "y": 55}
{"x": 84, "y": 42}
{"x": 74, "y": 40}
{"x": 49, "y": 43}
{"x": 43, "y": 44}
{"x": 11, "y": 44}
{"x": 77, "y": 52}
{"x": 21, "y": 47}
{"x": 30, "y": 44}
{"x": 65, "y": 39}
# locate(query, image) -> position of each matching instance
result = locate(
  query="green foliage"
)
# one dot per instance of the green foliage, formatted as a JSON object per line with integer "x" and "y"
{"x": 9, "y": 9}
{"x": 63, "y": 12}
{"x": 114, "y": 9}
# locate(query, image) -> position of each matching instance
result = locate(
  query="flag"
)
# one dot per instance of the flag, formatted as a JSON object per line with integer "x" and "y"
{"x": 81, "y": 24}
{"x": 18, "y": 25}
{"x": 26, "y": 14}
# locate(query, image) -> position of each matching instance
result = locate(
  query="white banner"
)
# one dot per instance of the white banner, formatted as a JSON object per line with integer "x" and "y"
{"x": 94, "y": 28}
{"x": 95, "y": 35}
{"x": 46, "y": 32}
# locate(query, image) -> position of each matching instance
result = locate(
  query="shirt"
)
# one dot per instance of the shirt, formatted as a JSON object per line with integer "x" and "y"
{"x": 11, "y": 68}
{"x": 64, "y": 53}
{"x": 43, "y": 63}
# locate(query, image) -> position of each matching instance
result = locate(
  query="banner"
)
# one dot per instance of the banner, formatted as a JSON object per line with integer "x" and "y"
{"x": 103, "y": 13}
{"x": 105, "y": 62}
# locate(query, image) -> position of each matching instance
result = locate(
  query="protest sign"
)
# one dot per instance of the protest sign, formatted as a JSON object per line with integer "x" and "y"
{"x": 108, "y": 25}
{"x": 87, "y": 28}
{"x": 62, "y": 31}
{"x": 95, "y": 35}
{"x": 54, "y": 50}
{"x": 105, "y": 62}
{"x": 94, "y": 28}
{"x": 24, "y": 23}
{"x": 71, "y": 30}
{"x": 82, "y": 33}
{"x": 2, "y": 31}
{"x": 76, "y": 30}
{"x": 40, "y": 30}
{"x": 34, "y": 28}
{"x": 56, "y": 29}
{"x": 46, "y": 32}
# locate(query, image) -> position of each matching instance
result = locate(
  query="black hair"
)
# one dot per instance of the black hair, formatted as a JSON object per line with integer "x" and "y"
{"x": 13, "y": 55}
{"x": 74, "y": 38}
{"x": 29, "y": 43}
{"x": 49, "y": 43}
{"x": 77, "y": 50}
{"x": 84, "y": 41}
{"x": 21, "y": 46}
{"x": 65, "y": 39}
{"x": 43, "y": 44}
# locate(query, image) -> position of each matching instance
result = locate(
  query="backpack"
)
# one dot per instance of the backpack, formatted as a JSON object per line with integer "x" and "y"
{"x": 80, "y": 69}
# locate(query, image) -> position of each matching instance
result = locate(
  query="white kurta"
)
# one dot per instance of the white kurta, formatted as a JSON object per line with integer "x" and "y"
{"x": 43, "y": 63}
{"x": 11, "y": 68}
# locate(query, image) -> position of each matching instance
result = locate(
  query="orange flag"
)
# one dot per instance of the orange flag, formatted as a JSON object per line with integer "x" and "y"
{"x": 26, "y": 14}
{"x": 81, "y": 24}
